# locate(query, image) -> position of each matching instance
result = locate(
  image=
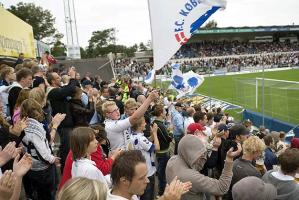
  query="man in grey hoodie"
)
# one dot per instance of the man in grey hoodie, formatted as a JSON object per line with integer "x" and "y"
{"x": 192, "y": 155}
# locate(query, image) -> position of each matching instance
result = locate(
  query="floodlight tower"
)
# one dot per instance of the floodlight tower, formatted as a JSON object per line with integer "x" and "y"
{"x": 73, "y": 47}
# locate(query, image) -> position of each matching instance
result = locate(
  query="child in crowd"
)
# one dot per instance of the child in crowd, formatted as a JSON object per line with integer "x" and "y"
{"x": 140, "y": 142}
{"x": 83, "y": 143}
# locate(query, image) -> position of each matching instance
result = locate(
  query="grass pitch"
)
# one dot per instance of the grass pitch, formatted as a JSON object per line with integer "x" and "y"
{"x": 281, "y": 99}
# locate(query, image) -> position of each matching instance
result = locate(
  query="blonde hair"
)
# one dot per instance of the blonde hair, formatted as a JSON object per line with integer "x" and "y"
{"x": 81, "y": 188}
{"x": 253, "y": 145}
{"x": 137, "y": 123}
{"x": 5, "y": 71}
{"x": 37, "y": 94}
{"x": 23, "y": 95}
{"x": 131, "y": 103}
{"x": 29, "y": 63}
{"x": 106, "y": 105}
{"x": 32, "y": 109}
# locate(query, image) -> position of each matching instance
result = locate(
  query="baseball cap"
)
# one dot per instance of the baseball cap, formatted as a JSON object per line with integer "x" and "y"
{"x": 222, "y": 127}
{"x": 193, "y": 127}
{"x": 248, "y": 188}
{"x": 238, "y": 129}
{"x": 86, "y": 82}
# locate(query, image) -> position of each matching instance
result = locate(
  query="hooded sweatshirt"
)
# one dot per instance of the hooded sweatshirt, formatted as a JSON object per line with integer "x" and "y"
{"x": 287, "y": 188}
{"x": 187, "y": 165}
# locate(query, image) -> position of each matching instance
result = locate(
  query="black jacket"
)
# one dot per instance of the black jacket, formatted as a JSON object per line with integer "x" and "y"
{"x": 163, "y": 136}
{"x": 60, "y": 104}
{"x": 81, "y": 115}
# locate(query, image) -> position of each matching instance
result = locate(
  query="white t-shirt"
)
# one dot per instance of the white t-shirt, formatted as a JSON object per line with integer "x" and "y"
{"x": 86, "y": 168}
{"x": 115, "y": 197}
{"x": 140, "y": 142}
{"x": 118, "y": 133}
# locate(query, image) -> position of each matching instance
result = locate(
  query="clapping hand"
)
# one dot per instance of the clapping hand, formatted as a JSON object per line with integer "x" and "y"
{"x": 57, "y": 119}
{"x": 9, "y": 152}
{"x": 176, "y": 189}
{"x": 21, "y": 167}
{"x": 116, "y": 153}
{"x": 7, "y": 185}
{"x": 19, "y": 126}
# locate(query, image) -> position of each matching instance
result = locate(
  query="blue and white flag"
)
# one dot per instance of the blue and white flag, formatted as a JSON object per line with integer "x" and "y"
{"x": 175, "y": 66}
{"x": 174, "y": 21}
{"x": 150, "y": 77}
{"x": 187, "y": 83}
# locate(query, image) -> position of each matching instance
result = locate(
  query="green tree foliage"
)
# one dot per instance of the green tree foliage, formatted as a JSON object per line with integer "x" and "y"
{"x": 142, "y": 47}
{"x": 100, "y": 42}
{"x": 42, "y": 21}
{"x": 59, "y": 48}
{"x": 103, "y": 42}
{"x": 211, "y": 24}
{"x": 83, "y": 53}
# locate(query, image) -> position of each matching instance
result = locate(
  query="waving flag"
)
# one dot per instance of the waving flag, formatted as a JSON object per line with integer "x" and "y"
{"x": 174, "y": 21}
{"x": 185, "y": 83}
{"x": 150, "y": 77}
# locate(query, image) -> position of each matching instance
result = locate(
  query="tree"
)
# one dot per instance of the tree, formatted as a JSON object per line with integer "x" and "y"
{"x": 83, "y": 53}
{"x": 59, "y": 48}
{"x": 42, "y": 21}
{"x": 130, "y": 51}
{"x": 100, "y": 42}
{"x": 211, "y": 24}
{"x": 142, "y": 47}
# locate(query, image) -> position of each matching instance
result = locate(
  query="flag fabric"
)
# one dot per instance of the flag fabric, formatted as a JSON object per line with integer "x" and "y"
{"x": 185, "y": 84}
{"x": 150, "y": 77}
{"x": 179, "y": 20}
{"x": 175, "y": 66}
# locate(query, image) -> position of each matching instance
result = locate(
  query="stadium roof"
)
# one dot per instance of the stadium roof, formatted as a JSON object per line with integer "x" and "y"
{"x": 258, "y": 29}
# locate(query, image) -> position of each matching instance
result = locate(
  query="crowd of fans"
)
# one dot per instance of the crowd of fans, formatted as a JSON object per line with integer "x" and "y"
{"x": 117, "y": 136}
{"x": 228, "y": 48}
{"x": 206, "y": 57}
{"x": 131, "y": 68}
{"x": 235, "y": 64}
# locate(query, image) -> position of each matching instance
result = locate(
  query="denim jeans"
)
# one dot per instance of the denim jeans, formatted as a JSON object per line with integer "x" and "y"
{"x": 162, "y": 160}
{"x": 149, "y": 192}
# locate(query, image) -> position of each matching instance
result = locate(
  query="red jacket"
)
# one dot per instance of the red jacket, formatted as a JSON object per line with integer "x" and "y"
{"x": 102, "y": 163}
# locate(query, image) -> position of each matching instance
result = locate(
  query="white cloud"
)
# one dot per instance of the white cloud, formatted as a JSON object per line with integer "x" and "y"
{"x": 131, "y": 18}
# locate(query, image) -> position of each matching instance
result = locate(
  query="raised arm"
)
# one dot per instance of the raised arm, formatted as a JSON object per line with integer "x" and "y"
{"x": 143, "y": 108}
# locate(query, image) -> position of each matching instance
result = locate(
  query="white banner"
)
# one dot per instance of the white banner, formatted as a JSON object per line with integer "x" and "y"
{"x": 174, "y": 21}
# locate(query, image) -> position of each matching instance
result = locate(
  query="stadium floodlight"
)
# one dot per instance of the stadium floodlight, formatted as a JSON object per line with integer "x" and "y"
{"x": 73, "y": 47}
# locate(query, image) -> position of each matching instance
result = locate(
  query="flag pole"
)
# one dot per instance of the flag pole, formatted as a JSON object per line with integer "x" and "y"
{"x": 149, "y": 13}
{"x": 155, "y": 81}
